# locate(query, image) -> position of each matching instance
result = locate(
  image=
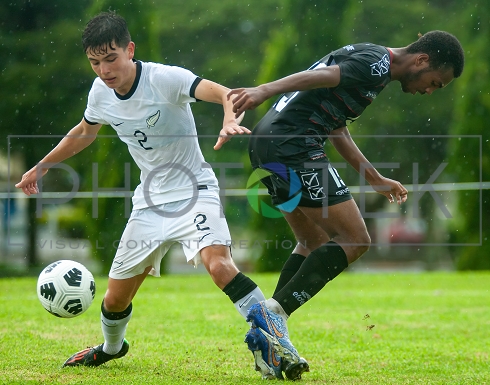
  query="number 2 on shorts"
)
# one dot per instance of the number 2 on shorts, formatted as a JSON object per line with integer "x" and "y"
{"x": 200, "y": 221}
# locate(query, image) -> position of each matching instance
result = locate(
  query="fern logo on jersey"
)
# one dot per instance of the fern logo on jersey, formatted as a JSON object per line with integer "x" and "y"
{"x": 152, "y": 120}
{"x": 277, "y": 170}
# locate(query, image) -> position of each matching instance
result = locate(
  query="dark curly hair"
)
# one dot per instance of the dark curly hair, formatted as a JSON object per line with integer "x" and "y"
{"x": 444, "y": 50}
{"x": 103, "y": 31}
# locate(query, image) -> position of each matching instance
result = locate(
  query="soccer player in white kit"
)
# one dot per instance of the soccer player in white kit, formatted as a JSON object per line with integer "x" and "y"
{"x": 148, "y": 105}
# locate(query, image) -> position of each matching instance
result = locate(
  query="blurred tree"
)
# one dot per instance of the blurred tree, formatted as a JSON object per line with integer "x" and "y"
{"x": 395, "y": 113}
{"x": 41, "y": 55}
{"x": 421, "y": 122}
{"x": 39, "y": 50}
{"x": 472, "y": 112}
{"x": 295, "y": 44}
{"x": 237, "y": 44}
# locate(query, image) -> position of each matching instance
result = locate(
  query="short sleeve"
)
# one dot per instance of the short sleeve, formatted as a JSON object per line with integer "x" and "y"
{"x": 92, "y": 114}
{"x": 364, "y": 70}
{"x": 176, "y": 83}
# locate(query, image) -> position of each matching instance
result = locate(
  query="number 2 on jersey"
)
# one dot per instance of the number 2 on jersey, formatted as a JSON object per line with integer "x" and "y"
{"x": 141, "y": 134}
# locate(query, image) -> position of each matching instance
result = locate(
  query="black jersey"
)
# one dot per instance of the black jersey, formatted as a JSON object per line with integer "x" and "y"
{"x": 302, "y": 120}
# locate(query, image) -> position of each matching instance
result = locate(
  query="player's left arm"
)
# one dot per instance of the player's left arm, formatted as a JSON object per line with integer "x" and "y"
{"x": 347, "y": 148}
{"x": 209, "y": 91}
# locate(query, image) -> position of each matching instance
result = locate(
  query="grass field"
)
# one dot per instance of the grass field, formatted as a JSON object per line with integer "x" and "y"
{"x": 431, "y": 328}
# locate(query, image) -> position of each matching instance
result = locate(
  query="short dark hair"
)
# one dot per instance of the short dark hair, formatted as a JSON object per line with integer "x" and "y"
{"x": 105, "y": 30}
{"x": 444, "y": 50}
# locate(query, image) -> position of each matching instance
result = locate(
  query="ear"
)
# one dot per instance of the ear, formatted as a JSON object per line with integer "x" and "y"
{"x": 130, "y": 50}
{"x": 422, "y": 60}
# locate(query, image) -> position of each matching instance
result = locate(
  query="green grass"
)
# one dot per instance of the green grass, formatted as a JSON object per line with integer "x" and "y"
{"x": 429, "y": 328}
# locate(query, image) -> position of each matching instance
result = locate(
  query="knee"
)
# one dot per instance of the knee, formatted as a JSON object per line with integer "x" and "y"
{"x": 114, "y": 304}
{"x": 221, "y": 269}
{"x": 361, "y": 246}
{"x": 219, "y": 265}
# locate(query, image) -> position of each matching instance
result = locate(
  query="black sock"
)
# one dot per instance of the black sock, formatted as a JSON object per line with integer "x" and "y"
{"x": 116, "y": 315}
{"x": 320, "y": 267}
{"x": 289, "y": 269}
{"x": 239, "y": 287}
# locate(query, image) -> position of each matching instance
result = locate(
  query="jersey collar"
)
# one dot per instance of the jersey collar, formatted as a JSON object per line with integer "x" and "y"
{"x": 391, "y": 55}
{"x": 135, "y": 84}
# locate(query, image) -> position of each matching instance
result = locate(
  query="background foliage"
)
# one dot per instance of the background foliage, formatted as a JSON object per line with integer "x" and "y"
{"x": 45, "y": 78}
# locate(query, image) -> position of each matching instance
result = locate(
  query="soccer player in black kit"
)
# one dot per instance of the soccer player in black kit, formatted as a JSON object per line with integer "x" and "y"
{"x": 317, "y": 104}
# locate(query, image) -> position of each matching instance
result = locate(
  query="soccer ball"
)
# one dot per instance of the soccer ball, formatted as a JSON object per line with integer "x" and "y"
{"x": 66, "y": 288}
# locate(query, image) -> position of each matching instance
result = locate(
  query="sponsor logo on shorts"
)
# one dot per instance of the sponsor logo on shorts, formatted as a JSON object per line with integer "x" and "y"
{"x": 315, "y": 155}
{"x": 343, "y": 191}
{"x": 117, "y": 263}
{"x": 277, "y": 170}
{"x": 312, "y": 183}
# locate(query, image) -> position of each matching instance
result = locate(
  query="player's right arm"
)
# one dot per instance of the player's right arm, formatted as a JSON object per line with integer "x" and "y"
{"x": 345, "y": 146}
{"x": 79, "y": 137}
{"x": 250, "y": 98}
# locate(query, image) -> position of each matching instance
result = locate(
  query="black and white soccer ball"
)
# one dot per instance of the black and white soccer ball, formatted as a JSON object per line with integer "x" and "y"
{"x": 66, "y": 288}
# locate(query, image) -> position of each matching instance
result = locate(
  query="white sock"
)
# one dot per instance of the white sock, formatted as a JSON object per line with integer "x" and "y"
{"x": 276, "y": 307}
{"x": 113, "y": 331}
{"x": 243, "y": 304}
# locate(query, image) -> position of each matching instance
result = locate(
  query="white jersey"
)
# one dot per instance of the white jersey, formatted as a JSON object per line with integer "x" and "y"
{"x": 155, "y": 120}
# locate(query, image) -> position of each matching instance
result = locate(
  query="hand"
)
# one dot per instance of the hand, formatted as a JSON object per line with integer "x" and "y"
{"x": 227, "y": 133}
{"x": 28, "y": 184}
{"x": 392, "y": 189}
{"x": 246, "y": 99}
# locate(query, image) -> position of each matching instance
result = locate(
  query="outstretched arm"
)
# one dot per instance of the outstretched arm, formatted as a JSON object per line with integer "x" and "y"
{"x": 343, "y": 143}
{"x": 75, "y": 141}
{"x": 250, "y": 98}
{"x": 215, "y": 93}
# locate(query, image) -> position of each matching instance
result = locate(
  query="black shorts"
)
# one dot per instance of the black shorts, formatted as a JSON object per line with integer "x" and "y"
{"x": 310, "y": 187}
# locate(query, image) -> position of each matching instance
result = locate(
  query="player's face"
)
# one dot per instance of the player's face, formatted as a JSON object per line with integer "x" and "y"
{"x": 426, "y": 80}
{"x": 114, "y": 66}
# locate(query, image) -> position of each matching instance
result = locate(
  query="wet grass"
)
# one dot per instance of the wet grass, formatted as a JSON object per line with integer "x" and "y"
{"x": 430, "y": 328}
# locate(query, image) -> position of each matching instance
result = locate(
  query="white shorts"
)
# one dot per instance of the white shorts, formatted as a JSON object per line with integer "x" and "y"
{"x": 151, "y": 231}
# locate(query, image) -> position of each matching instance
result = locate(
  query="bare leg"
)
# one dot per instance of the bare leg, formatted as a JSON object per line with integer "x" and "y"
{"x": 120, "y": 292}
{"x": 241, "y": 290}
{"x": 217, "y": 261}
{"x": 349, "y": 239}
{"x": 309, "y": 235}
{"x": 343, "y": 226}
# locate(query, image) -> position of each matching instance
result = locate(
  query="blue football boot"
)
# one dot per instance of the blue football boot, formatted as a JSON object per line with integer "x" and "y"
{"x": 267, "y": 362}
{"x": 274, "y": 328}
{"x": 293, "y": 371}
